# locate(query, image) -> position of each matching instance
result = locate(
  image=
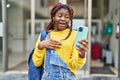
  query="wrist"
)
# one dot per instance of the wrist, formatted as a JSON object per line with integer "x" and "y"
{"x": 40, "y": 46}
{"x": 81, "y": 55}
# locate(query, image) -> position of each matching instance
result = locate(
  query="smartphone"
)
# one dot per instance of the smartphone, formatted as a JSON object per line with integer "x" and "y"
{"x": 82, "y": 34}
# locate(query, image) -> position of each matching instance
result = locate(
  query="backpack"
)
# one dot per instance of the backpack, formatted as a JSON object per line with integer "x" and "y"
{"x": 35, "y": 73}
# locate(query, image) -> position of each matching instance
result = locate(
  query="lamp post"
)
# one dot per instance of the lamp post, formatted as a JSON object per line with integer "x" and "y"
{"x": 5, "y": 36}
{"x": 89, "y": 34}
{"x": 32, "y": 22}
{"x": 119, "y": 43}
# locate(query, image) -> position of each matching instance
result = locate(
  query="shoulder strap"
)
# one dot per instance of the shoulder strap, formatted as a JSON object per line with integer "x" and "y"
{"x": 43, "y": 35}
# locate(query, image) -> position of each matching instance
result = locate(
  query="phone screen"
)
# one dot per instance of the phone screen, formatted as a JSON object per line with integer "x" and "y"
{"x": 82, "y": 33}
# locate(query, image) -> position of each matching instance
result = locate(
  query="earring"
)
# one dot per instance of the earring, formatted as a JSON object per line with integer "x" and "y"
{"x": 69, "y": 24}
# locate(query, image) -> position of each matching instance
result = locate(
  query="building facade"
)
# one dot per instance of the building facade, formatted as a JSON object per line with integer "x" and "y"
{"x": 22, "y": 21}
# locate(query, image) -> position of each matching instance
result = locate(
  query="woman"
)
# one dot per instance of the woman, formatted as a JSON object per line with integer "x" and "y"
{"x": 61, "y": 58}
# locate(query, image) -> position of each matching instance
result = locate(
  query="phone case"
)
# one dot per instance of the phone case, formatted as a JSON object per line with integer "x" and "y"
{"x": 82, "y": 33}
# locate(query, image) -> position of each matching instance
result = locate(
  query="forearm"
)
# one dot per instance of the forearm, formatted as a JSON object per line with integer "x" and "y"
{"x": 76, "y": 62}
{"x": 38, "y": 57}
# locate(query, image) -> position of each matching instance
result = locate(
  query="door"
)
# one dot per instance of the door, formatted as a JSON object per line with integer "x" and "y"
{"x": 17, "y": 12}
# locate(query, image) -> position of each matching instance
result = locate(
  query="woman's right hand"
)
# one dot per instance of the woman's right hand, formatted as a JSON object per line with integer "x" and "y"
{"x": 49, "y": 43}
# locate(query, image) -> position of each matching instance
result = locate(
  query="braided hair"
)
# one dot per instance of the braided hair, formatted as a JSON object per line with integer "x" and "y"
{"x": 54, "y": 10}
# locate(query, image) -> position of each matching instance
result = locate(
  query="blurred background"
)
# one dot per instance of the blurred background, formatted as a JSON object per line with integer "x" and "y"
{"x": 21, "y": 22}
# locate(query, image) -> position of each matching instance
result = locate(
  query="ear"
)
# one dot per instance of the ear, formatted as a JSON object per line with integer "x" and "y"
{"x": 69, "y": 24}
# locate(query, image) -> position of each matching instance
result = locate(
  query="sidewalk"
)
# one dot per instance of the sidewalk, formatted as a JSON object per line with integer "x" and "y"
{"x": 14, "y": 75}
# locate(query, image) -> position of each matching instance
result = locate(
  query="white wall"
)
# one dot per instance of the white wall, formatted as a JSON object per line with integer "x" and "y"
{"x": 15, "y": 29}
{"x": 113, "y": 41}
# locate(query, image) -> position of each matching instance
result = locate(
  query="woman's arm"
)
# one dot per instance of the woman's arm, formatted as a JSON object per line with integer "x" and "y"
{"x": 38, "y": 55}
{"x": 76, "y": 62}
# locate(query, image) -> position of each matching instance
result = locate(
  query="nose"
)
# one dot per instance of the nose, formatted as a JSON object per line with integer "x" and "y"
{"x": 62, "y": 18}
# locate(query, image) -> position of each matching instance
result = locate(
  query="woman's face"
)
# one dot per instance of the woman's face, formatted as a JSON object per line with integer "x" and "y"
{"x": 61, "y": 19}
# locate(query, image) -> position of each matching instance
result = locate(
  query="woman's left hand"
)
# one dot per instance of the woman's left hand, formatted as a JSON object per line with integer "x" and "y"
{"x": 82, "y": 48}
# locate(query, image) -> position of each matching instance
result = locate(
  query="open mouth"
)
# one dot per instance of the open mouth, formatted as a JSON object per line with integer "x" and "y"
{"x": 62, "y": 24}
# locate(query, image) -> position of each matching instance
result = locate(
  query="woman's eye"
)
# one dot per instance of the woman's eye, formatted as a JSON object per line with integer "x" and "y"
{"x": 67, "y": 17}
{"x": 59, "y": 15}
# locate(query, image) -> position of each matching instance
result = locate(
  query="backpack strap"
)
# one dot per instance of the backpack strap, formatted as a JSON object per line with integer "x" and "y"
{"x": 35, "y": 73}
{"x": 43, "y": 35}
